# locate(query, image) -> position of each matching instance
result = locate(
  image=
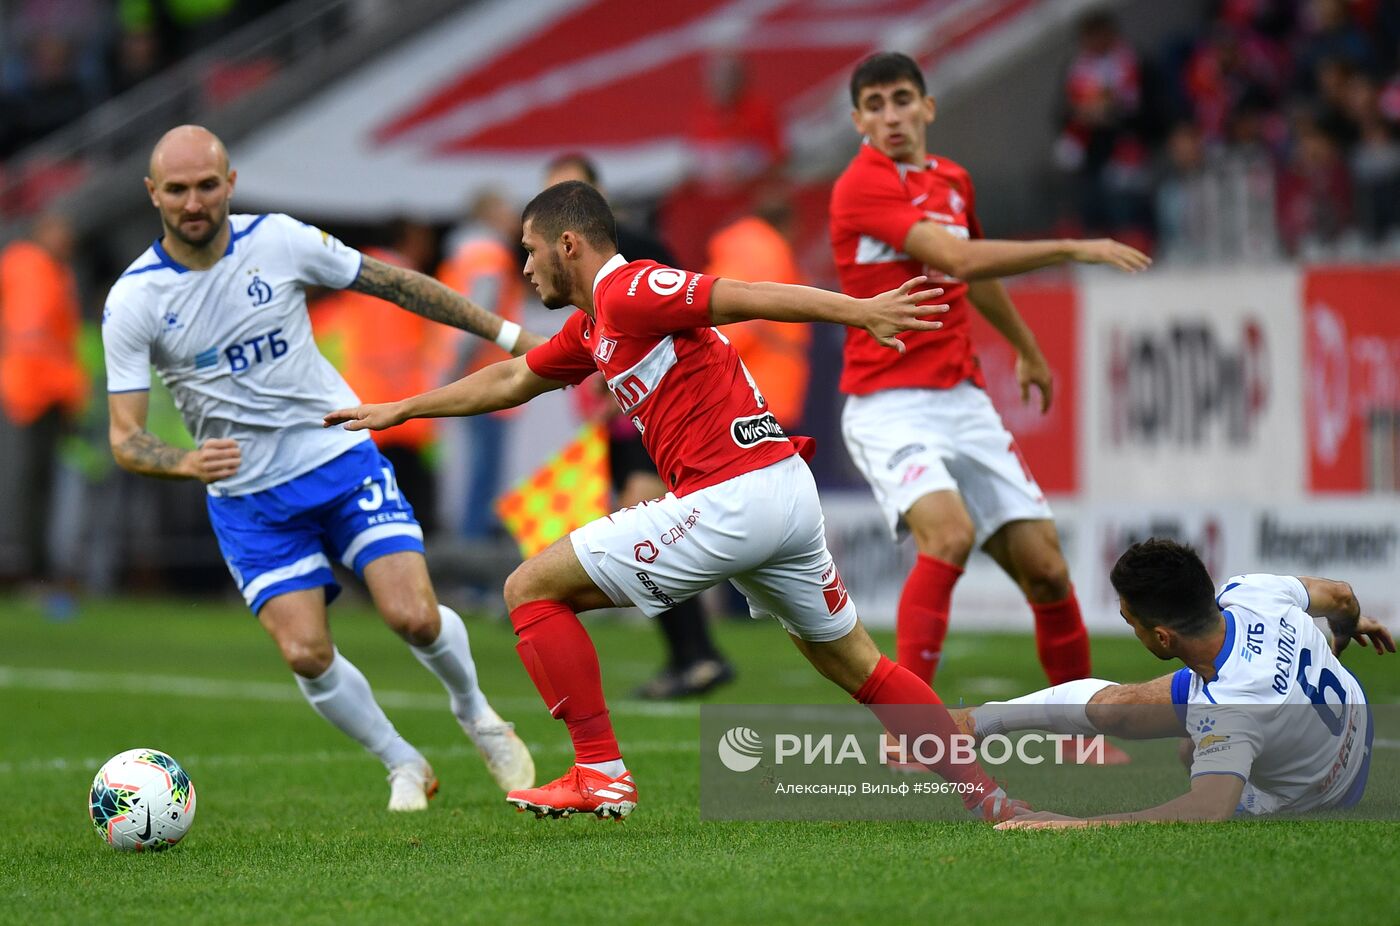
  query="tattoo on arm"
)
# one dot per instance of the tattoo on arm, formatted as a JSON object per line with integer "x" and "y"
{"x": 148, "y": 455}
{"x": 427, "y": 297}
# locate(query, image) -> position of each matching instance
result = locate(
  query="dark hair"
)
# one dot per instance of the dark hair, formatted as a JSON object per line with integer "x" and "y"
{"x": 573, "y": 206}
{"x": 577, "y": 159}
{"x": 1164, "y": 583}
{"x": 885, "y": 67}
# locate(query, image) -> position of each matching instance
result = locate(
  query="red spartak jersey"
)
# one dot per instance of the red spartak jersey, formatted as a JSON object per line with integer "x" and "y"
{"x": 702, "y": 417}
{"x": 873, "y": 205}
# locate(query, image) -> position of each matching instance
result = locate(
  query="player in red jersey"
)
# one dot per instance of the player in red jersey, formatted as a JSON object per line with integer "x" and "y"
{"x": 918, "y": 424}
{"x": 742, "y": 504}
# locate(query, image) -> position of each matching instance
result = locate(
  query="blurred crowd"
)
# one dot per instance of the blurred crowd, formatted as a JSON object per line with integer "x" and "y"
{"x": 59, "y": 59}
{"x": 1272, "y": 129}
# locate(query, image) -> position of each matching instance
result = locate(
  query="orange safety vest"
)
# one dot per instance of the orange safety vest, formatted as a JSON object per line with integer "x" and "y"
{"x": 476, "y": 258}
{"x": 39, "y": 318}
{"x": 388, "y": 352}
{"x": 775, "y": 353}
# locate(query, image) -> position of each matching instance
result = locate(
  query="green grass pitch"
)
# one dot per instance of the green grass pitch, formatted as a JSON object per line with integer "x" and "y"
{"x": 291, "y": 825}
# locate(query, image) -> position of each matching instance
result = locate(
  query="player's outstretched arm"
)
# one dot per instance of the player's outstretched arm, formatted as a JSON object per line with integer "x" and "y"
{"x": 985, "y": 258}
{"x": 1337, "y": 603}
{"x": 500, "y": 385}
{"x": 1212, "y": 798}
{"x": 884, "y": 316}
{"x": 139, "y": 451}
{"x": 429, "y": 298}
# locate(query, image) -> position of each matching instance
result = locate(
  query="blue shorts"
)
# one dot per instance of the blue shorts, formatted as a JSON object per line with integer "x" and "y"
{"x": 283, "y": 539}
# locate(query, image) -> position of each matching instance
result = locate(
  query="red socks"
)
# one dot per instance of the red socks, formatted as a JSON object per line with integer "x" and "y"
{"x": 1061, "y": 640}
{"x": 923, "y": 615}
{"x": 561, "y": 661}
{"x": 887, "y": 692}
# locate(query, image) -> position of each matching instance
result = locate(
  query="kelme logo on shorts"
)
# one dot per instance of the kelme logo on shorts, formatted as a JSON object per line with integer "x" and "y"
{"x": 755, "y": 429}
{"x": 740, "y": 749}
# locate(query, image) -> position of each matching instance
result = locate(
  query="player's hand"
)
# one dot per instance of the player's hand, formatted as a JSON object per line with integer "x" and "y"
{"x": 366, "y": 417}
{"x": 217, "y": 458}
{"x": 1368, "y": 632}
{"x": 1114, "y": 253}
{"x": 1034, "y": 371}
{"x": 1042, "y": 820}
{"x": 898, "y": 310}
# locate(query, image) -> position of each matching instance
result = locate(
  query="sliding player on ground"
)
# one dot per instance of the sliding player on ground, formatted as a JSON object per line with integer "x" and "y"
{"x": 1276, "y": 722}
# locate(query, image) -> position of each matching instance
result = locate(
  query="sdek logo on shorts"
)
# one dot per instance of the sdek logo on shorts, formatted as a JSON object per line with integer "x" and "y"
{"x": 646, "y": 552}
{"x": 834, "y": 590}
{"x": 752, "y": 430}
{"x": 740, "y": 749}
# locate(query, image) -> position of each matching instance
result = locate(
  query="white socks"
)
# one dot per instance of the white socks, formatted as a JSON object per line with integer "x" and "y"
{"x": 449, "y": 657}
{"x": 342, "y": 695}
{"x": 1059, "y": 709}
{"x": 612, "y": 768}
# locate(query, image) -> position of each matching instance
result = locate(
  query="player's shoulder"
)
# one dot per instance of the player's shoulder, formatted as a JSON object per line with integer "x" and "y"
{"x": 868, "y": 167}
{"x": 1262, "y": 593}
{"x": 950, "y": 171}
{"x": 256, "y": 227}
{"x": 638, "y": 279}
{"x": 141, "y": 278}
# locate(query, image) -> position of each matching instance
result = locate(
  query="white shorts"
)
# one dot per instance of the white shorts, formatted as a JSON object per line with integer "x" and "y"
{"x": 908, "y": 443}
{"x": 763, "y": 531}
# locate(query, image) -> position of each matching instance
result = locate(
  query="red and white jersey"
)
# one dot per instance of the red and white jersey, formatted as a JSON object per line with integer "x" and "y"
{"x": 874, "y": 204}
{"x": 702, "y": 418}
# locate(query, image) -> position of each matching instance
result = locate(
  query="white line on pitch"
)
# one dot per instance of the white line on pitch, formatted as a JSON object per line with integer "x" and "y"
{"x": 235, "y": 690}
{"x": 198, "y": 761}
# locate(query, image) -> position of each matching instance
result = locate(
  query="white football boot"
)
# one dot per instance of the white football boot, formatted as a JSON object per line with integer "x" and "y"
{"x": 410, "y": 786}
{"x": 505, "y": 754}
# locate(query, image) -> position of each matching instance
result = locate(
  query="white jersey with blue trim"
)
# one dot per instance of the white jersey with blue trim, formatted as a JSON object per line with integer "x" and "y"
{"x": 234, "y": 345}
{"x": 1282, "y": 712}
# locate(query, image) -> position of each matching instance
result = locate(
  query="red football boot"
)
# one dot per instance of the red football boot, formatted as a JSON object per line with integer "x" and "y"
{"x": 579, "y": 790}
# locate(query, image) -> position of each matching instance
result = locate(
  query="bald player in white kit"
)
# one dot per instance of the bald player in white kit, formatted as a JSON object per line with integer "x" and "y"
{"x": 218, "y": 305}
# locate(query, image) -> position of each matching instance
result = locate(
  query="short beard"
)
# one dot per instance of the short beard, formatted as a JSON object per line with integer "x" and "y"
{"x": 557, "y": 301}
{"x": 214, "y": 229}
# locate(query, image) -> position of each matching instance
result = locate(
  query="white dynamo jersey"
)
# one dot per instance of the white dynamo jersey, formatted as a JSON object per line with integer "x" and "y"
{"x": 234, "y": 345}
{"x": 1283, "y": 713}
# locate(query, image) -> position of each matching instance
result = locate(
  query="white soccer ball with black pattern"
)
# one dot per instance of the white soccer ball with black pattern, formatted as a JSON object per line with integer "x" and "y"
{"x": 142, "y": 801}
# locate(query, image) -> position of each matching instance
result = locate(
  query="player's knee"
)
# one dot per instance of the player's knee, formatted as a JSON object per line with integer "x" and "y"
{"x": 1046, "y": 580}
{"x": 413, "y": 617}
{"x": 950, "y": 541}
{"x": 309, "y": 658}
{"x": 523, "y": 586}
{"x": 1106, "y": 716}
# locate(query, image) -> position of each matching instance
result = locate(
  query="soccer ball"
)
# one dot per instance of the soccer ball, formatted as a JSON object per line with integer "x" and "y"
{"x": 142, "y": 799}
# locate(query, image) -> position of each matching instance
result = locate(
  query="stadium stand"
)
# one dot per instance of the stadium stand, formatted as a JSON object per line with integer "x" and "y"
{"x": 1212, "y": 131}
